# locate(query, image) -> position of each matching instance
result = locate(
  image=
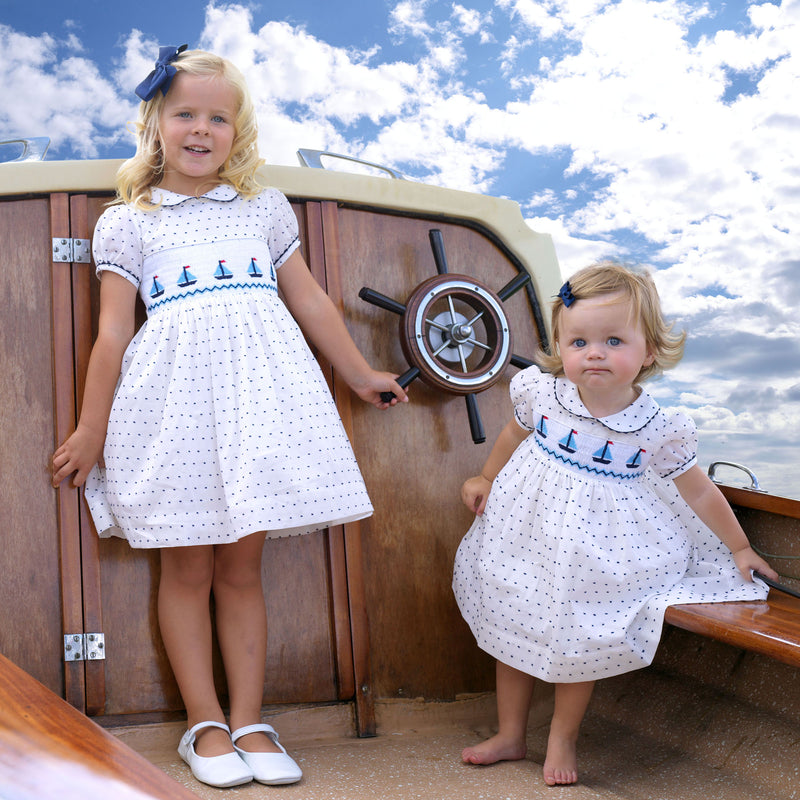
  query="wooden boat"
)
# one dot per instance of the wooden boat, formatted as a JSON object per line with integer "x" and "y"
{"x": 366, "y": 643}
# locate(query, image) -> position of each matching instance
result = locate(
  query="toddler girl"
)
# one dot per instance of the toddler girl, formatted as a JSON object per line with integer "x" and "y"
{"x": 576, "y": 550}
{"x": 221, "y": 426}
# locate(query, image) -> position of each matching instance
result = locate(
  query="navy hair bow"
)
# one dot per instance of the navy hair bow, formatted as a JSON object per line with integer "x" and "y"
{"x": 161, "y": 77}
{"x": 565, "y": 293}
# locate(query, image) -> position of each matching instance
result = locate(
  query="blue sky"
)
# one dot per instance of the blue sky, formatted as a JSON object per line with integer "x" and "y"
{"x": 661, "y": 132}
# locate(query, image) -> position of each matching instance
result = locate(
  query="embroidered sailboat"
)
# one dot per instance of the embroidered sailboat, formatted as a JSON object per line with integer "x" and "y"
{"x": 186, "y": 279}
{"x": 603, "y": 455}
{"x": 636, "y": 461}
{"x": 541, "y": 428}
{"x": 156, "y": 290}
{"x": 568, "y": 442}
{"x": 222, "y": 271}
{"x": 253, "y": 271}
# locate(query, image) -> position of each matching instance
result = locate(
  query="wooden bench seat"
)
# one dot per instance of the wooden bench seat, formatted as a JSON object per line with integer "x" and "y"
{"x": 770, "y": 627}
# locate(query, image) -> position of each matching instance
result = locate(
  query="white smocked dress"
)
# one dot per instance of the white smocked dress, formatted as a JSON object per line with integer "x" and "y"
{"x": 585, "y": 541}
{"x": 222, "y": 424}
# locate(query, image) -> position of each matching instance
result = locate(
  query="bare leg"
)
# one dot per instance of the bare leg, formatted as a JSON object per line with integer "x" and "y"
{"x": 242, "y": 633}
{"x": 561, "y": 761}
{"x": 514, "y": 691}
{"x": 185, "y": 622}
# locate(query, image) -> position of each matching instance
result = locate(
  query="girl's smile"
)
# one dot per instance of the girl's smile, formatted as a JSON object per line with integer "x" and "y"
{"x": 603, "y": 349}
{"x": 197, "y": 130}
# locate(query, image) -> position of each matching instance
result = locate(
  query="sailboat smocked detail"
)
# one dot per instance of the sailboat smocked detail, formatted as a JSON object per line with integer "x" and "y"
{"x": 186, "y": 279}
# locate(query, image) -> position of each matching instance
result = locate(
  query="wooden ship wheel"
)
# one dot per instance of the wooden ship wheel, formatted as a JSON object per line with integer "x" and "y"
{"x": 454, "y": 333}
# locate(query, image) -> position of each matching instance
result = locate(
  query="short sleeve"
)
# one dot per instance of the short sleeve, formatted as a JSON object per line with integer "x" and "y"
{"x": 524, "y": 389}
{"x": 283, "y": 238}
{"x": 679, "y": 452}
{"x": 117, "y": 244}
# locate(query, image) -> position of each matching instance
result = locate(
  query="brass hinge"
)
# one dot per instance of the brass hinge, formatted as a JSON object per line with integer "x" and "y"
{"x": 84, "y": 646}
{"x": 77, "y": 250}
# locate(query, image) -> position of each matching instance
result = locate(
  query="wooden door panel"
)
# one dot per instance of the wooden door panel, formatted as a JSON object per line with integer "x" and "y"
{"x": 31, "y": 586}
{"x": 416, "y": 456}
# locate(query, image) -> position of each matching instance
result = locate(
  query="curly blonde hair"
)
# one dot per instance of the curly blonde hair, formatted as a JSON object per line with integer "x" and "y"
{"x": 139, "y": 174}
{"x": 608, "y": 277}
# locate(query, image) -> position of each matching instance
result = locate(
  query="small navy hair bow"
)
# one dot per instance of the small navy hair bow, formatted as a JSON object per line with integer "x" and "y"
{"x": 565, "y": 293}
{"x": 161, "y": 77}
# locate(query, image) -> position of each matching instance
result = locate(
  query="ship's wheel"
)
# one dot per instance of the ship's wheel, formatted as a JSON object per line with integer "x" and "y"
{"x": 454, "y": 333}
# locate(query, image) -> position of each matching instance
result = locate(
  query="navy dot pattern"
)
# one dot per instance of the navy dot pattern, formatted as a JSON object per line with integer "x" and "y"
{"x": 585, "y": 541}
{"x": 222, "y": 423}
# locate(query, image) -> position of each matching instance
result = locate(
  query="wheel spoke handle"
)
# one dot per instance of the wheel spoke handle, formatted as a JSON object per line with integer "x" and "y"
{"x": 521, "y": 361}
{"x": 403, "y": 381}
{"x": 437, "y": 245}
{"x": 381, "y": 300}
{"x": 475, "y": 423}
{"x": 514, "y": 285}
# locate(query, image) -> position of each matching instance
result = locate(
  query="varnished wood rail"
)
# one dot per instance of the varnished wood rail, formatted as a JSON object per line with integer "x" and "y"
{"x": 48, "y": 749}
{"x": 770, "y": 627}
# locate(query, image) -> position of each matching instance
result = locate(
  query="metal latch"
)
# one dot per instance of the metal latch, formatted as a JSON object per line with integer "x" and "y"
{"x": 77, "y": 250}
{"x": 84, "y": 646}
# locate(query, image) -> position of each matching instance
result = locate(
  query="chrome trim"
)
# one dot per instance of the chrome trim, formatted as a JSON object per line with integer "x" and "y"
{"x": 712, "y": 468}
{"x": 313, "y": 159}
{"x": 33, "y": 149}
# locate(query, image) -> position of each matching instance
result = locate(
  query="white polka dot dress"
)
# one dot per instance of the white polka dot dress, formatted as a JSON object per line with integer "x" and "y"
{"x": 222, "y": 424}
{"x": 583, "y": 543}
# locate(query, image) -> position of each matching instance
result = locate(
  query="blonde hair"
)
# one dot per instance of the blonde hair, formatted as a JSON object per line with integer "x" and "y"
{"x": 639, "y": 288}
{"x": 137, "y": 176}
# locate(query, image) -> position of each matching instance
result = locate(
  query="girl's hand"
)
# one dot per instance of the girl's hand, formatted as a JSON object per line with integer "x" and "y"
{"x": 370, "y": 388}
{"x": 79, "y": 453}
{"x": 747, "y": 560}
{"x": 475, "y": 493}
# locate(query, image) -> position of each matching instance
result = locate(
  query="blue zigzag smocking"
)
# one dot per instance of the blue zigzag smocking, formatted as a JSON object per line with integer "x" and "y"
{"x": 627, "y": 476}
{"x": 248, "y": 286}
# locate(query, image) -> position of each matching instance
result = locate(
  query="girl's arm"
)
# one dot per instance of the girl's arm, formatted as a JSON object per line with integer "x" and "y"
{"x": 83, "y": 449}
{"x": 322, "y": 323}
{"x": 475, "y": 491}
{"x": 710, "y": 505}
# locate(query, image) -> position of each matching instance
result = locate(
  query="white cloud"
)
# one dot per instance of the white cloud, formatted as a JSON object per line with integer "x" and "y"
{"x": 408, "y": 17}
{"x": 534, "y": 15}
{"x": 66, "y": 98}
{"x": 471, "y": 22}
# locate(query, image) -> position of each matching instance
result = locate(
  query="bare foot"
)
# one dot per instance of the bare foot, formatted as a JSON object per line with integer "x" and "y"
{"x": 493, "y": 750}
{"x": 561, "y": 762}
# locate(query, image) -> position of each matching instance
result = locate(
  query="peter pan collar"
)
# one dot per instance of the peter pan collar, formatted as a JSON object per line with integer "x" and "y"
{"x": 223, "y": 193}
{"x": 630, "y": 419}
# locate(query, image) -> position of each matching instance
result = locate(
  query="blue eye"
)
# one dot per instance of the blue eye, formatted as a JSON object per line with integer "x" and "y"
{"x": 614, "y": 341}
{"x": 579, "y": 343}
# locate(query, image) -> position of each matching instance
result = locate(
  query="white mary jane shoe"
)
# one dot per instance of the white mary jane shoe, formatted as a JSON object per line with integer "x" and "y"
{"x": 221, "y": 771}
{"x": 271, "y": 768}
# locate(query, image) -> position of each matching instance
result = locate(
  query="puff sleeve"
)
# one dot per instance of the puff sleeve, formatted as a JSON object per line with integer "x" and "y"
{"x": 283, "y": 235}
{"x": 524, "y": 389}
{"x": 679, "y": 451}
{"x": 117, "y": 244}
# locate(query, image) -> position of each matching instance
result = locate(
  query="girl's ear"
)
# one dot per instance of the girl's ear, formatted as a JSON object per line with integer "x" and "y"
{"x": 649, "y": 358}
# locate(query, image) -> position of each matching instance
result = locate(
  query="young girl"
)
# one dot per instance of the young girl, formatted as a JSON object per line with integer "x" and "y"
{"x": 576, "y": 552}
{"x": 221, "y": 426}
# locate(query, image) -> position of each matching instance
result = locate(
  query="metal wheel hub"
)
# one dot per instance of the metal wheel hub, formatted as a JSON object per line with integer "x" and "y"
{"x": 456, "y": 331}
